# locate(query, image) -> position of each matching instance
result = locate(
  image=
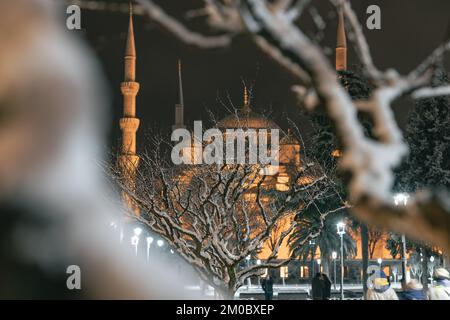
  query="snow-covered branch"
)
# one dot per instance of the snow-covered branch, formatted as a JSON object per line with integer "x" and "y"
{"x": 165, "y": 21}
{"x": 431, "y": 92}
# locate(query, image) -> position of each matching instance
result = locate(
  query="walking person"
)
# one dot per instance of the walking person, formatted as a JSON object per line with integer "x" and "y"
{"x": 381, "y": 289}
{"x": 441, "y": 288}
{"x": 316, "y": 287}
{"x": 267, "y": 286}
{"x": 413, "y": 291}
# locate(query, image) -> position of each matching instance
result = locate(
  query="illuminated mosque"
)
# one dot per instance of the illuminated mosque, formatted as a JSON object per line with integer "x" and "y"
{"x": 245, "y": 117}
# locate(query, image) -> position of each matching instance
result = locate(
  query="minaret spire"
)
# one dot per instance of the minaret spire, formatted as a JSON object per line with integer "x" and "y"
{"x": 179, "y": 106}
{"x": 130, "y": 50}
{"x": 129, "y": 124}
{"x": 246, "y": 100}
{"x": 341, "y": 44}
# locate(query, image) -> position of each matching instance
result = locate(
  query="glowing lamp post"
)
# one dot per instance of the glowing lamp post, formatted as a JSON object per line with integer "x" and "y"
{"x": 334, "y": 257}
{"x": 402, "y": 199}
{"x": 341, "y": 231}
{"x": 160, "y": 243}
{"x": 431, "y": 271}
{"x": 380, "y": 262}
{"x": 135, "y": 239}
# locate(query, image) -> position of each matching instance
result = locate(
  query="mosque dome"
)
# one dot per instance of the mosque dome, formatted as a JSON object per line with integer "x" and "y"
{"x": 246, "y": 118}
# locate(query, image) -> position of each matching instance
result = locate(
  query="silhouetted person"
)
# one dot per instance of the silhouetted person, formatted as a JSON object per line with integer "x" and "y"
{"x": 326, "y": 287}
{"x": 321, "y": 287}
{"x": 267, "y": 286}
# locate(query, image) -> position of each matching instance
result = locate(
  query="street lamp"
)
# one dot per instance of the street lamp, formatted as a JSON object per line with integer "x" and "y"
{"x": 149, "y": 243}
{"x": 334, "y": 256}
{"x": 160, "y": 243}
{"x": 402, "y": 199}
{"x": 431, "y": 271}
{"x": 137, "y": 231}
{"x": 380, "y": 261}
{"x": 312, "y": 244}
{"x": 135, "y": 239}
{"x": 341, "y": 231}
{"x": 135, "y": 243}
{"x": 318, "y": 263}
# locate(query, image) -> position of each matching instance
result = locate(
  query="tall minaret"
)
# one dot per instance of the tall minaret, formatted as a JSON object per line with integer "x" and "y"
{"x": 341, "y": 44}
{"x": 179, "y": 106}
{"x": 129, "y": 124}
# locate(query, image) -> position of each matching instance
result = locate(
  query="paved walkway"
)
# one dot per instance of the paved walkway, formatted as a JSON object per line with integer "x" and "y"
{"x": 285, "y": 289}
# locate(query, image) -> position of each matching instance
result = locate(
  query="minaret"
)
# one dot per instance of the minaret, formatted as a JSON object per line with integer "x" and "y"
{"x": 246, "y": 100}
{"x": 129, "y": 124}
{"x": 179, "y": 106}
{"x": 341, "y": 44}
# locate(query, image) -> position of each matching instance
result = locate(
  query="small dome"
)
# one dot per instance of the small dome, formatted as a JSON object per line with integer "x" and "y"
{"x": 246, "y": 119}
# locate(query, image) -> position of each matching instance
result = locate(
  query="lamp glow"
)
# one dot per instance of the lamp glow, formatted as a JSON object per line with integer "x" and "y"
{"x": 137, "y": 231}
{"x": 340, "y": 228}
{"x": 401, "y": 198}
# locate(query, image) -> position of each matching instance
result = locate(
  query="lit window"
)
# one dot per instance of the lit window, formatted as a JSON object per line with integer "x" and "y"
{"x": 304, "y": 272}
{"x": 284, "y": 272}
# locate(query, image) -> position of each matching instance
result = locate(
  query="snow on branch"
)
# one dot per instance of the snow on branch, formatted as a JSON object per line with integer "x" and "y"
{"x": 431, "y": 92}
{"x": 164, "y": 20}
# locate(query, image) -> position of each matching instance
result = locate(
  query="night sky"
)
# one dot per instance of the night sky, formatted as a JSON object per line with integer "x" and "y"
{"x": 411, "y": 29}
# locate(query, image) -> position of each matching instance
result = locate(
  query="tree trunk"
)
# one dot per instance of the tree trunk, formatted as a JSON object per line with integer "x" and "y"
{"x": 326, "y": 265}
{"x": 365, "y": 255}
{"x": 226, "y": 293}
